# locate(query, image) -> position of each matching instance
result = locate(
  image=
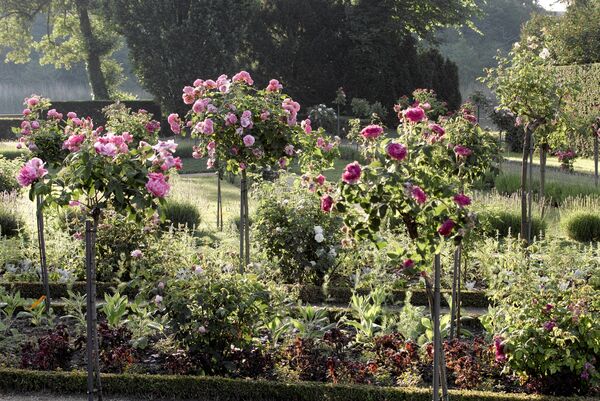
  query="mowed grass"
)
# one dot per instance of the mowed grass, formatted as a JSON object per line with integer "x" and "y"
{"x": 9, "y": 150}
{"x": 581, "y": 165}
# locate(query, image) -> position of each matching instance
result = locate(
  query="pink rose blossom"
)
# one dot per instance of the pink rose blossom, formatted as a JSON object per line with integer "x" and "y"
{"x": 106, "y": 149}
{"x": 71, "y": 115}
{"x": 372, "y": 131}
{"x": 205, "y": 127}
{"x": 246, "y": 119}
{"x": 35, "y": 124}
{"x": 157, "y": 185}
{"x": 210, "y": 163}
{"x": 136, "y": 253}
{"x": 52, "y": 113}
{"x": 408, "y": 263}
{"x": 306, "y": 126}
{"x": 243, "y": 76}
{"x": 282, "y": 162}
{"x": 73, "y": 143}
{"x": 26, "y": 112}
{"x": 74, "y": 203}
{"x": 414, "y": 114}
{"x": 33, "y": 101}
{"x": 248, "y": 140}
{"x": 198, "y": 82}
{"x": 326, "y": 203}
{"x": 462, "y": 200}
{"x": 274, "y": 86}
{"x": 264, "y": 116}
{"x": 396, "y": 151}
{"x": 437, "y": 129}
{"x": 31, "y": 172}
{"x": 231, "y": 119}
{"x": 462, "y": 151}
{"x": 418, "y": 194}
{"x": 446, "y": 228}
{"x": 352, "y": 173}
{"x": 320, "y": 179}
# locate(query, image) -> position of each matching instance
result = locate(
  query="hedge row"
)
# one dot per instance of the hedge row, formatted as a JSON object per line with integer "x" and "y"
{"x": 308, "y": 293}
{"x": 6, "y": 126}
{"x": 341, "y": 295}
{"x": 203, "y": 388}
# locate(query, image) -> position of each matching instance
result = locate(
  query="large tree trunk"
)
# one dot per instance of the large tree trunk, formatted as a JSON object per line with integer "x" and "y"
{"x": 94, "y": 69}
{"x": 595, "y": 158}
{"x": 524, "y": 214}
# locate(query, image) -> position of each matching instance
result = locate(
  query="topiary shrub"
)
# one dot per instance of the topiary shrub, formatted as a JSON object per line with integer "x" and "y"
{"x": 507, "y": 222}
{"x": 10, "y": 223}
{"x": 181, "y": 214}
{"x": 8, "y": 174}
{"x": 582, "y": 226}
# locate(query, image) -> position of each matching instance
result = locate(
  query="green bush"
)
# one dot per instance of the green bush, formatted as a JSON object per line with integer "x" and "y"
{"x": 292, "y": 230}
{"x": 8, "y": 174}
{"x": 181, "y": 214}
{"x": 582, "y": 226}
{"x": 363, "y": 109}
{"x": 507, "y": 222}
{"x": 10, "y": 223}
{"x": 212, "y": 313}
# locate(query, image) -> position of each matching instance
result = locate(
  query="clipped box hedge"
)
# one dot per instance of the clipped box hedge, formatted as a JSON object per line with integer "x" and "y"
{"x": 308, "y": 293}
{"x": 93, "y": 108}
{"x": 205, "y": 388}
{"x": 341, "y": 295}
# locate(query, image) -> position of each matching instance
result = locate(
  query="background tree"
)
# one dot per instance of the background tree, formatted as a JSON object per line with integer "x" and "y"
{"x": 76, "y": 31}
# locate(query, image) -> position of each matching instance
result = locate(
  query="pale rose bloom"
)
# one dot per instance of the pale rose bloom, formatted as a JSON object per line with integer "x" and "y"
{"x": 106, "y": 149}
{"x": 136, "y": 253}
{"x": 274, "y": 86}
{"x": 246, "y": 119}
{"x": 243, "y": 76}
{"x": 158, "y": 299}
{"x": 249, "y": 140}
{"x": 319, "y": 237}
{"x": 157, "y": 185}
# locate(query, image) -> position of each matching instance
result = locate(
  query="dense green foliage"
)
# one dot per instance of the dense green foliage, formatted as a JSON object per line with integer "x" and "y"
{"x": 312, "y": 46}
{"x": 8, "y": 174}
{"x": 582, "y": 226}
{"x": 10, "y": 223}
{"x": 179, "y": 213}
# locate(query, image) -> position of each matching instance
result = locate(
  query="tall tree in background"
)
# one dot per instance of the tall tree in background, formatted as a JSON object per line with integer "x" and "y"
{"x": 174, "y": 42}
{"x": 312, "y": 46}
{"x": 497, "y": 28}
{"x": 76, "y": 31}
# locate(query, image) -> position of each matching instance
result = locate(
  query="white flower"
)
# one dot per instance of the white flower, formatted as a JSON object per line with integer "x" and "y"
{"x": 158, "y": 299}
{"x": 318, "y": 230}
{"x": 198, "y": 269}
{"x": 319, "y": 238}
{"x": 313, "y": 263}
{"x": 545, "y": 53}
{"x": 332, "y": 253}
{"x": 563, "y": 286}
{"x": 517, "y": 45}
{"x": 470, "y": 285}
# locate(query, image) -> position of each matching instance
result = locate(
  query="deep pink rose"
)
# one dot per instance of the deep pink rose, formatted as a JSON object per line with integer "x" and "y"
{"x": 396, "y": 151}
{"x": 462, "y": 200}
{"x": 462, "y": 151}
{"x": 408, "y": 263}
{"x": 372, "y": 131}
{"x": 32, "y": 101}
{"x": 414, "y": 114}
{"x": 499, "y": 350}
{"x": 437, "y": 129}
{"x": 320, "y": 179}
{"x": 231, "y": 119}
{"x": 351, "y": 173}
{"x": 418, "y": 194}
{"x": 73, "y": 143}
{"x": 446, "y": 228}
{"x": 157, "y": 185}
{"x": 326, "y": 203}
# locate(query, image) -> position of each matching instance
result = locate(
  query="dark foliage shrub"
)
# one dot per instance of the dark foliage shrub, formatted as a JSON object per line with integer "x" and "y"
{"x": 53, "y": 351}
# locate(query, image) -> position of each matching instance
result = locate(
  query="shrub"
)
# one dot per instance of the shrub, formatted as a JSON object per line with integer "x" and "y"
{"x": 513, "y": 134}
{"x": 53, "y": 351}
{"x": 507, "y": 222}
{"x": 582, "y": 226}
{"x": 363, "y": 109}
{"x": 213, "y": 313}
{"x": 181, "y": 214}
{"x": 291, "y": 229}
{"x": 323, "y": 116}
{"x": 8, "y": 174}
{"x": 10, "y": 223}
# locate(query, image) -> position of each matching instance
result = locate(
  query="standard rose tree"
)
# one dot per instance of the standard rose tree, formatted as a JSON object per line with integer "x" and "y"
{"x": 104, "y": 169}
{"x": 410, "y": 180}
{"x": 244, "y": 129}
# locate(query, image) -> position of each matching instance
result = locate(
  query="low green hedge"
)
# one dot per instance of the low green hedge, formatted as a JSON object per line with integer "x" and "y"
{"x": 308, "y": 293}
{"x": 582, "y": 226}
{"x": 342, "y": 295}
{"x": 222, "y": 389}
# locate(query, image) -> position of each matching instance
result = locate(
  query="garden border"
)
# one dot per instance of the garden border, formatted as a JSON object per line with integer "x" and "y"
{"x": 225, "y": 389}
